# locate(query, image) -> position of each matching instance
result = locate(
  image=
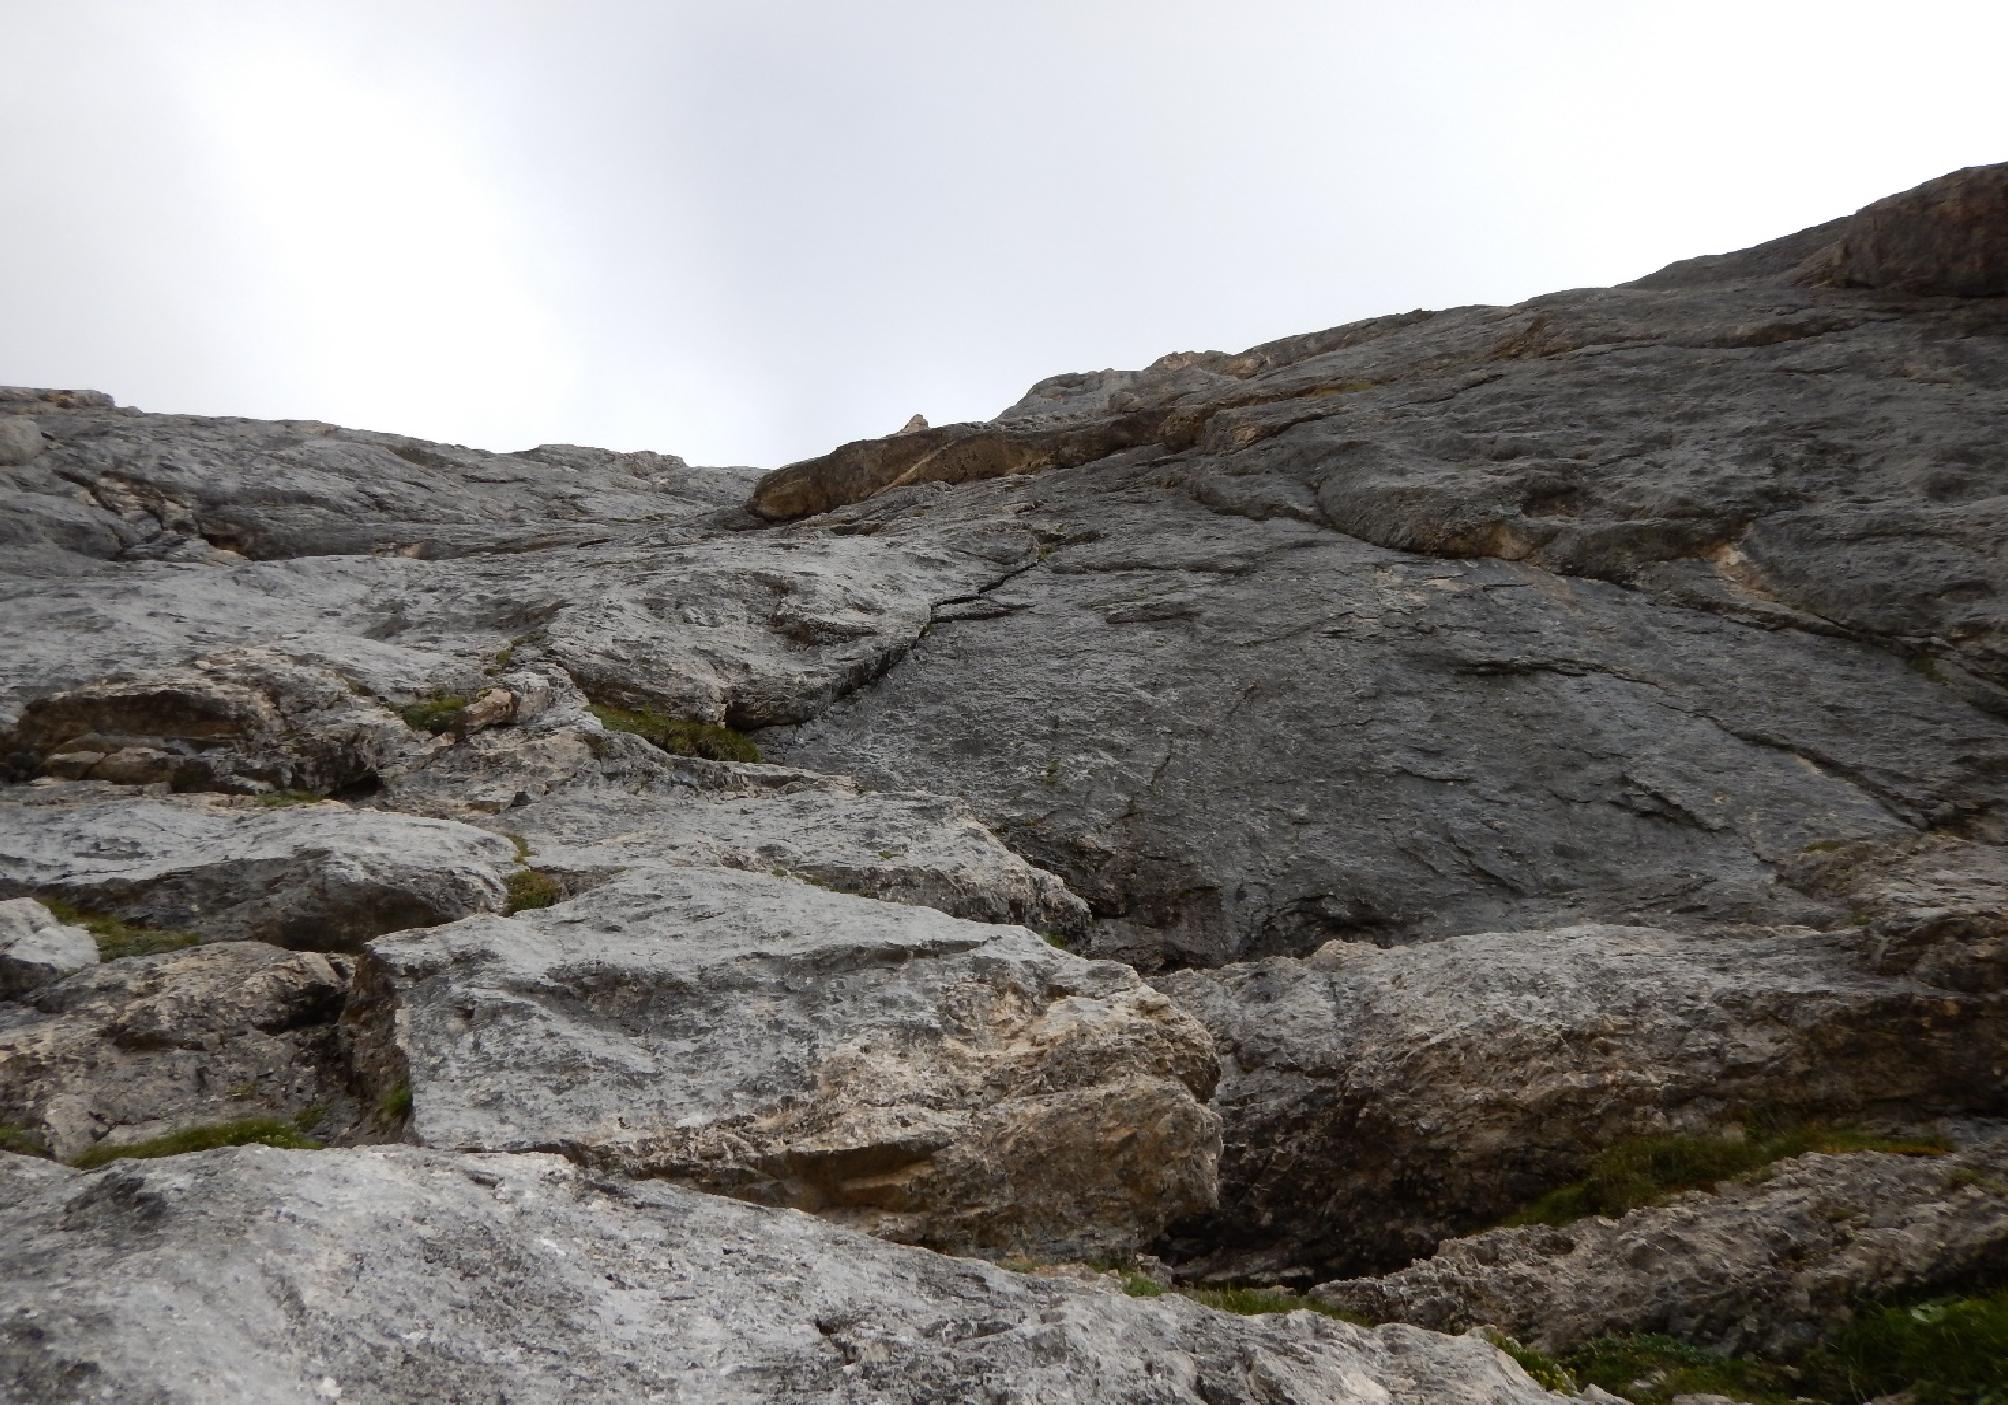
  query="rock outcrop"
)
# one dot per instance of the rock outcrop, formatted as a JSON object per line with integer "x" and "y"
{"x": 1378, "y": 1101}
{"x": 1769, "y": 1266}
{"x": 938, "y": 1081}
{"x": 36, "y": 948}
{"x": 146, "y": 1046}
{"x": 520, "y": 1278}
{"x": 319, "y": 877}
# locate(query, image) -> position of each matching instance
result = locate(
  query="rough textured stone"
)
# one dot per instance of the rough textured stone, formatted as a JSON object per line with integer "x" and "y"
{"x": 1769, "y": 1266}
{"x": 1948, "y": 236}
{"x": 137, "y": 1048}
{"x": 939, "y": 1081}
{"x": 247, "y": 720}
{"x": 20, "y": 439}
{"x": 1376, "y": 1101}
{"x": 36, "y": 949}
{"x": 518, "y": 1278}
{"x": 314, "y": 876}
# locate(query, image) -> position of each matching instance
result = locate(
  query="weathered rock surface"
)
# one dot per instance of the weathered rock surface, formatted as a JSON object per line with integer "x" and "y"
{"x": 247, "y": 720}
{"x": 36, "y": 948}
{"x": 938, "y": 1081}
{"x": 1377, "y": 1101}
{"x": 20, "y": 439}
{"x": 320, "y": 877}
{"x": 521, "y": 1278}
{"x": 1769, "y": 1266}
{"x": 137, "y": 1048}
{"x": 1948, "y": 236}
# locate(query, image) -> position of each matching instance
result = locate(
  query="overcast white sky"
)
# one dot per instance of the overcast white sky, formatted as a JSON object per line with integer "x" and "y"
{"x": 746, "y": 232}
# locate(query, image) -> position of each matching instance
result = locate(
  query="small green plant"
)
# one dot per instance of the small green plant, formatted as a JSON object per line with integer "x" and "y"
{"x": 261, "y": 1131}
{"x": 1139, "y": 1285}
{"x": 1646, "y": 1170}
{"x": 310, "y": 1117}
{"x": 1051, "y": 775}
{"x": 522, "y": 845}
{"x": 21, "y": 1141}
{"x": 1054, "y": 939}
{"x": 1946, "y": 1351}
{"x": 531, "y": 888}
{"x": 280, "y": 799}
{"x": 1652, "y": 1370}
{"x": 679, "y": 737}
{"x": 435, "y": 713}
{"x": 1545, "y": 1371}
{"x": 117, "y": 937}
{"x": 395, "y": 1105}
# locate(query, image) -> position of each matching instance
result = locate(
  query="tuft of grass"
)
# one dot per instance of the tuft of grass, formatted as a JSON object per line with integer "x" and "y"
{"x": 280, "y": 799}
{"x": 116, "y": 937}
{"x": 1643, "y": 1171}
{"x": 395, "y": 1105}
{"x": 260, "y": 1131}
{"x": 1257, "y": 1302}
{"x": 522, "y": 846}
{"x": 1138, "y": 1285}
{"x": 679, "y": 737}
{"x": 1653, "y": 1369}
{"x": 531, "y": 888}
{"x": 435, "y": 713}
{"x": 1945, "y": 1351}
{"x": 1545, "y": 1371}
{"x": 21, "y": 1141}
{"x": 310, "y": 1117}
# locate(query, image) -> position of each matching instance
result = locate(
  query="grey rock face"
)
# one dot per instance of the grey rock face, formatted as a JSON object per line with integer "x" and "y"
{"x": 314, "y": 877}
{"x": 520, "y": 1278}
{"x": 938, "y": 1081}
{"x": 141, "y": 1047}
{"x": 1767, "y": 1267}
{"x": 907, "y": 847}
{"x": 1253, "y": 737}
{"x": 1377, "y": 1101}
{"x": 36, "y": 949}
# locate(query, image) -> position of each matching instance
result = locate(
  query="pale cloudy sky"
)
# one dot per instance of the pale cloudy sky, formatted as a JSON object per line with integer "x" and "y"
{"x": 748, "y": 230}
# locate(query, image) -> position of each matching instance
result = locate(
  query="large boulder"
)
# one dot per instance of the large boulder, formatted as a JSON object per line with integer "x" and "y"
{"x": 20, "y": 439}
{"x": 318, "y": 877}
{"x": 935, "y": 1080}
{"x": 136, "y": 1049}
{"x": 405, "y": 1277}
{"x": 1376, "y": 1101}
{"x": 1768, "y": 1266}
{"x": 36, "y": 948}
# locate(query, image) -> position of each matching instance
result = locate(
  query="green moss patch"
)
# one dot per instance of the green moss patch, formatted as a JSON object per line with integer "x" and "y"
{"x": 1646, "y": 1170}
{"x": 1652, "y": 1370}
{"x": 435, "y": 713}
{"x": 259, "y": 1131}
{"x": 530, "y": 888}
{"x": 21, "y": 1141}
{"x": 395, "y": 1105}
{"x": 679, "y": 737}
{"x": 1947, "y": 1351}
{"x": 117, "y": 937}
{"x": 280, "y": 799}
